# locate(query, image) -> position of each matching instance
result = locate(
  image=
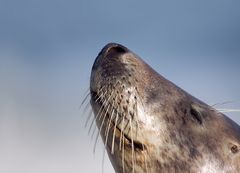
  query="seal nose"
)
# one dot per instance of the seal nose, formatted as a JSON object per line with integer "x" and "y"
{"x": 113, "y": 49}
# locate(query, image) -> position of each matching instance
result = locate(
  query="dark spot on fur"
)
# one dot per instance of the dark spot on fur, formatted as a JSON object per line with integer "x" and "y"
{"x": 125, "y": 108}
{"x": 152, "y": 96}
{"x": 170, "y": 120}
{"x": 132, "y": 69}
{"x": 184, "y": 122}
{"x": 131, "y": 114}
{"x": 193, "y": 153}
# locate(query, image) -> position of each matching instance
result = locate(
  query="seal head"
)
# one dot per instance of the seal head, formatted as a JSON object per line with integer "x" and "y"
{"x": 150, "y": 125}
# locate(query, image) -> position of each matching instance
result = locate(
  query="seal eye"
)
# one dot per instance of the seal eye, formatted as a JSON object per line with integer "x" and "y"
{"x": 234, "y": 149}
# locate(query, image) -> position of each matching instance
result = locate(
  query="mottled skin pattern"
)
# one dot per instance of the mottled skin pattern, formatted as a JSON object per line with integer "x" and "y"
{"x": 172, "y": 131}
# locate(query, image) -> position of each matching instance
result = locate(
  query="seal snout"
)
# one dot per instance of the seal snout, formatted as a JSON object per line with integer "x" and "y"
{"x": 113, "y": 49}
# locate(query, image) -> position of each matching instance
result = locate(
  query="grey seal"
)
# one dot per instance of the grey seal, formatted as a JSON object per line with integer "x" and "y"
{"x": 150, "y": 125}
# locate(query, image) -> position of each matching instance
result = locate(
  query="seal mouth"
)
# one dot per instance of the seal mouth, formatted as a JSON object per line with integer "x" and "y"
{"x": 125, "y": 136}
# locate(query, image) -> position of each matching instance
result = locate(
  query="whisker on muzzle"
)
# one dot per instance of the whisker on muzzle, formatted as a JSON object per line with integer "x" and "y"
{"x": 103, "y": 120}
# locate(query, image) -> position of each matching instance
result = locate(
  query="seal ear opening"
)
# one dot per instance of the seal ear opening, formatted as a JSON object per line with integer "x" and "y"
{"x": 234, "y": 148}
{"x": 196, "y": 114}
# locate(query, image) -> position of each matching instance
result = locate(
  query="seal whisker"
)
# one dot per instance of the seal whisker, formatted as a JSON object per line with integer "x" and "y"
{"x": 121, "y": 134}
{"x": 94, "y": 130}
{"x": 109, "y": 123}
{"x": 106, "y": 135}
{"x": 106, "y": 129}
{"x": 88, "y": 118}
{"x": 103, "y": 159}
{"x": 85, "y": 98}
{"x": 101, "y": 94}
{"x": 114, "y": 132}
{"x": 95, "y": 127}
{"x": 123, "y": 154}
{"x": 228, "y": 110}
{"x": 100, "y": 129}
{"x": 107, "y": 103}
{"x": 133, "y": 165}
{"x": 145, "y": 159}
{"x": 94, "y": 119}
{"x": 86, "y": 107}
{"x": 98, "y": 114}
{"x": 223, "y": 103}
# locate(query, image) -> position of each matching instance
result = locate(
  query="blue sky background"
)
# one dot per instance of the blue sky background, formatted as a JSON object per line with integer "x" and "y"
{"x": 47, "y": 48}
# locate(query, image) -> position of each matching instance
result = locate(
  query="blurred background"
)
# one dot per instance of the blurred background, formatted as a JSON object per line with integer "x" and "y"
{"x": 47, "y": 48}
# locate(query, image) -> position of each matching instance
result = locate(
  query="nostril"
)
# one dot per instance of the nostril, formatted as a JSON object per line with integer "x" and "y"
{"x": 113, "y": 49}
{"x": 117, "y": 49}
